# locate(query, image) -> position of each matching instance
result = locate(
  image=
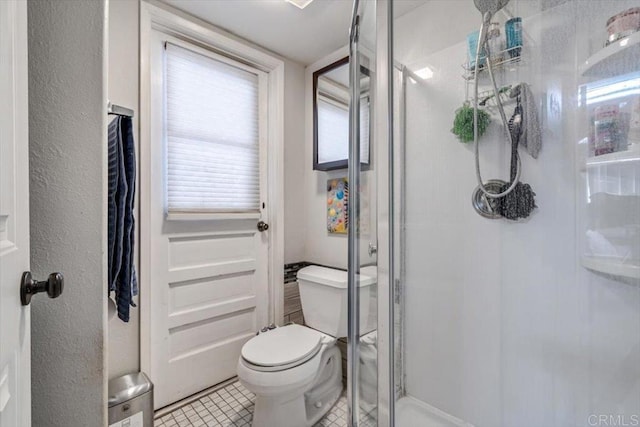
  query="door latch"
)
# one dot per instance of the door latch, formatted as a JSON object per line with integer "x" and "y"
{"x": 373, "y": 249}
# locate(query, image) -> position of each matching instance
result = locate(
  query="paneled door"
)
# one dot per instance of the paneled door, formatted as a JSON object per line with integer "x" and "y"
{"x": 15, "y": 327}
{"x": 208, "y": 230}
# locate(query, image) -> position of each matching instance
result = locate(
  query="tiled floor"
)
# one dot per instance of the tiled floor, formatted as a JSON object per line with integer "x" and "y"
{"x": 233, "y": 406}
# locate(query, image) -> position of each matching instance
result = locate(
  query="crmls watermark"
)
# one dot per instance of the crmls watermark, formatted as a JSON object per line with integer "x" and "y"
{"x": 612, "y": 420}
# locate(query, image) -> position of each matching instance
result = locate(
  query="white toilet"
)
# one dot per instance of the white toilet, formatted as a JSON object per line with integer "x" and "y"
{"x": 296, "y": 371}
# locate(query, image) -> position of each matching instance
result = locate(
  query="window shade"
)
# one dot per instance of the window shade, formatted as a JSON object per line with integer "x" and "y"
{"x": 333, "y": 130}
{"x": 212, "y": 134}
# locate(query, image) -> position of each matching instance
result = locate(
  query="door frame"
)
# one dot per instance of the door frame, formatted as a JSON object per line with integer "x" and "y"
{"x": 157, "y": 16}
{"x": 15, "y": 244}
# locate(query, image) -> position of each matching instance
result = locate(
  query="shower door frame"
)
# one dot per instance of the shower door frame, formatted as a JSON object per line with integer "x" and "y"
{"x": 353, "y": 209}
{"x": 387, "y": 226}
{"x": 388, "y": 255}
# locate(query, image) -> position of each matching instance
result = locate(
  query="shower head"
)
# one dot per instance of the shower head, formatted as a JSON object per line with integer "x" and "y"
{"x": 487, "y": 8}
{"x": 491, "y": 6}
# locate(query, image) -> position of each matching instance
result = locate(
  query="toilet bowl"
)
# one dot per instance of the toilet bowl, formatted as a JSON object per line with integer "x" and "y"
{"x": 368, "y": 383}
{"x": 296, "y": 371}
{"x": 293, "y": 388}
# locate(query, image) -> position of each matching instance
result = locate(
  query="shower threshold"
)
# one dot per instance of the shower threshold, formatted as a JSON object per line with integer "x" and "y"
{"x": 413, "y": 412}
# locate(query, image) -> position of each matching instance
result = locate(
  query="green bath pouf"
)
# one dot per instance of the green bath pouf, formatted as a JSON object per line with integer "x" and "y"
{"x": 463, "y": 123}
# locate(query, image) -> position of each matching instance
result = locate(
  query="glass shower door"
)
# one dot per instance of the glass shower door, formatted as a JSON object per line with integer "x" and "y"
{"x": 362, "y": 361}
{"x": 529, "y": 322}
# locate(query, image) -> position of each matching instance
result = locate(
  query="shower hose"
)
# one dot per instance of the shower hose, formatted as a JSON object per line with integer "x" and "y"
{"x": 482, "y": 43}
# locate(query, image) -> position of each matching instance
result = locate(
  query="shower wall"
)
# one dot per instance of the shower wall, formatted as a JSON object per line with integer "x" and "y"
{"x": 502, "y": 324}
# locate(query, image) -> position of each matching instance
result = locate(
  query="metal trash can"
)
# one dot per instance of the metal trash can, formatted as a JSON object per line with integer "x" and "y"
{"x": 131, "y": 401}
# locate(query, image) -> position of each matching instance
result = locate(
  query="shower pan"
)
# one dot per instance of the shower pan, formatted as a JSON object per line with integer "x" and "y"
{"x": 496, "y": 320}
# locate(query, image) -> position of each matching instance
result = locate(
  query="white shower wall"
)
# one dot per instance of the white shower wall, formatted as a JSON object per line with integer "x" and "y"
{"x": 503, "y": 326}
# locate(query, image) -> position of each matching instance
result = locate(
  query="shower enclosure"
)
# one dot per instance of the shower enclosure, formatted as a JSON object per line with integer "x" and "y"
{"x": 482, "y": 320}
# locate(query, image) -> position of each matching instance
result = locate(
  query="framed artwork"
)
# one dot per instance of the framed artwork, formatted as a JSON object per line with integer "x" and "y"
{"x": 337, "y": 203}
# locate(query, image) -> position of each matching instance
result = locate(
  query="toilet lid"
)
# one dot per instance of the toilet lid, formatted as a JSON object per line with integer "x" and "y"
{"x": 282, "y": 346}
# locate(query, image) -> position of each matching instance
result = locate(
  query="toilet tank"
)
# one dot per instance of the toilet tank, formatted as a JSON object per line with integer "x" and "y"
{"x": 323, "y": 292}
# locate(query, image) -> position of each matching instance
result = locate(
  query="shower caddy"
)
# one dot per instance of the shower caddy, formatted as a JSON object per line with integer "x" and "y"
{"x": 614, "y": 60}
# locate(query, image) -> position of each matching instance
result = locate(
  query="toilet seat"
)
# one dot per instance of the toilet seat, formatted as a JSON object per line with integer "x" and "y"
{"x": 282, "y": 348}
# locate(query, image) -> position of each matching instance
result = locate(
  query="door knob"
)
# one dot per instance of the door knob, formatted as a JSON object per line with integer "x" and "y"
{"x": 29, "y": 287}
{"x": 262, "y": 226}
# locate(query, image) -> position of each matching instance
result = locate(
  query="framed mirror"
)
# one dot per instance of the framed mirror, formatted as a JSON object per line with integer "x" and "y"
{"x": 331, "y": 117}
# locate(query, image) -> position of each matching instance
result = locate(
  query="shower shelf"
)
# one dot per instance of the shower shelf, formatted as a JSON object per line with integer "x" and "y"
{"x": 469, "y": 72}
{"x": 488, "y": 99}
{"x": 616, "y": 59}
{"x": 631, "y": 155}
{"x": 607, "y": 266}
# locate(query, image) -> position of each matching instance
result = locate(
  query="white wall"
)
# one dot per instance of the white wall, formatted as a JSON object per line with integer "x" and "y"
{"x": 124, "y": 338}
{"x": 295, "y": 206}
{"x": 67, "y": 126}
{"x": 322, "y": 247}
{"x": 124, "y": 76}
{"x": 503, "y": 327}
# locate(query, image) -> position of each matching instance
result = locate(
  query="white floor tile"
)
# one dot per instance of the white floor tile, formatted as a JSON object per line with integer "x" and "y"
{"x": 233, "y": 406}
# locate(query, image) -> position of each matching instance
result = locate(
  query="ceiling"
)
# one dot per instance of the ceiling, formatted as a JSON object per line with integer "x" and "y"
{"x": 303, "y": 36}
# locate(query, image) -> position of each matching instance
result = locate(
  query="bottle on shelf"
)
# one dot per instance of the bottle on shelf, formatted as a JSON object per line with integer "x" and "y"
{"x": 634, "y": 125}
{"x": 496, "y": 43}
{"x": 513, "y": 30}
{"x": 607, "y": 129}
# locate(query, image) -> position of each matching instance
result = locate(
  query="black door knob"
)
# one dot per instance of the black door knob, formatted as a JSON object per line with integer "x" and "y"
{"x": 53, "y": 286}
{"x": 262, "y": 226}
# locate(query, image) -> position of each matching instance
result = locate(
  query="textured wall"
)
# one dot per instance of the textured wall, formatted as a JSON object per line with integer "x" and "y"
{"x": 67, "y": 120}
{"x": 124, "y": 76}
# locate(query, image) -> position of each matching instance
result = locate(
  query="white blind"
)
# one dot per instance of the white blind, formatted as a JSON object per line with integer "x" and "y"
{"x": 333, "y": 130}
{"x": 212, "y": 134}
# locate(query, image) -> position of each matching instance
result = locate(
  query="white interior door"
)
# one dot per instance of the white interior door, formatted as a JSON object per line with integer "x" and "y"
{"x": 208, "y": 271}
{"x": 15, "y": 344}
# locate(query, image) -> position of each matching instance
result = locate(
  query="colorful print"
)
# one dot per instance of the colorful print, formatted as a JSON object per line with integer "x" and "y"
{"x": 337, "y": 202}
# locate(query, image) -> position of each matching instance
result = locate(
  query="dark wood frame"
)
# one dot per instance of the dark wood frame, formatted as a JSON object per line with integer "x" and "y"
{"x": 338, "y": 164}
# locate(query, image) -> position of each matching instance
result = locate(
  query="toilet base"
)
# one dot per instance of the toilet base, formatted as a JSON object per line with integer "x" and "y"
{"x": 273, "y": 411}
{"x": 303, "y": 408}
